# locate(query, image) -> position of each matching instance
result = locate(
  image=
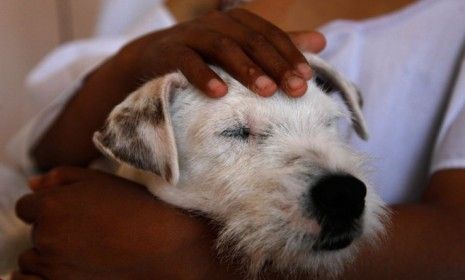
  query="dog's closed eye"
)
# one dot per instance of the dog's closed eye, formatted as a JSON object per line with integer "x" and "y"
{"x": 239, "y": 132}
{"x": 243, "y": 133}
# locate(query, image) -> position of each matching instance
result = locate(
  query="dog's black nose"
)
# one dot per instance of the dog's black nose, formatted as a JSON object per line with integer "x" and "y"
{"x": 337, "y": 202}
{"x": 338, "y": 199}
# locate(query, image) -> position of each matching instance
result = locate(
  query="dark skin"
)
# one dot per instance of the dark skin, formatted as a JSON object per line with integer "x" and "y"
{"x": 251, "y": 49}
{"x": 418, "y": 244}
{"x": 79, "y": 235}
{"x": 156, "y": 241}
{"x": 245, "y": 45}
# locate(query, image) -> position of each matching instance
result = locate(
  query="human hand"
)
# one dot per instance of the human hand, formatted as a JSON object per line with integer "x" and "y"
{"x": 92, "y": 225}
{"x": 255, "y": 52}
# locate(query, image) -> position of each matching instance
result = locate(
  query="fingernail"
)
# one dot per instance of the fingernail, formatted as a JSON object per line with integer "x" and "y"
{"x": 295, "y": 83}
{"x": 216, "y": 87}
{"x": 265, "y": 85}
{"x": 305, "y": 70}
{"x": 34, "y": 182}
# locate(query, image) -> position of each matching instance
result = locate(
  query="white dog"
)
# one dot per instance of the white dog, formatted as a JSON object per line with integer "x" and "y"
{"x": 273, "y": 172}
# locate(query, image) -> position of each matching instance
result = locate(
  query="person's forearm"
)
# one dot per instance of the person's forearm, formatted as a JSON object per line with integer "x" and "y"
{"x": 423, "y": 241}
{"x": 69, "y": 140}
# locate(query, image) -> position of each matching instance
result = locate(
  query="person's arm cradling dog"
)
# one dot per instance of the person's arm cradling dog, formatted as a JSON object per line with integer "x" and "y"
{"x": 155, "y": 239}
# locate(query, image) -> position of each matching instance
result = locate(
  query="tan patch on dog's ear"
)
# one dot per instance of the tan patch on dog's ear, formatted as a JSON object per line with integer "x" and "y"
{"x": 138, "y": 131}
{"x": 168, "y": 173}
{"x": 349, "y": 92}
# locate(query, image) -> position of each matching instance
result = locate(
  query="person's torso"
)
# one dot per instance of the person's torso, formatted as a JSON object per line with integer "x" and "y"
{"x": 405, "y": 64}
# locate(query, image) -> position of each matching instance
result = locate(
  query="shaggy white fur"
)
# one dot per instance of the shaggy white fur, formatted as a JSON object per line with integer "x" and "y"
{"x": 247, "y": 162}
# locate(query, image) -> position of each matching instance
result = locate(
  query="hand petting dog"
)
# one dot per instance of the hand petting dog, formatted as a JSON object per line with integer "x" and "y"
{"x": 255, "y": 52}
{"x": 252, "y": 50}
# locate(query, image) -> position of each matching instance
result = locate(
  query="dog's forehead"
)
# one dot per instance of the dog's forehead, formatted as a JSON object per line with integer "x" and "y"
{"x": 193, "y": 111}
{"x": 315, "y": 104}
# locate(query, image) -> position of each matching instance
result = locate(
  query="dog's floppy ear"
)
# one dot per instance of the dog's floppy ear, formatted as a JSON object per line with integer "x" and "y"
{"x": 349, "y": 91}
{"x": 138, "y": 131}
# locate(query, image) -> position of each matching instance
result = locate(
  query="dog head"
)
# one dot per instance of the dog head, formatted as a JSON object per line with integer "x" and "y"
{"x": 274, "y": 172}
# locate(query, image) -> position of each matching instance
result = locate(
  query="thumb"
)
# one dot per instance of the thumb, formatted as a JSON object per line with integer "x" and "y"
{"x": 308, "y": 41}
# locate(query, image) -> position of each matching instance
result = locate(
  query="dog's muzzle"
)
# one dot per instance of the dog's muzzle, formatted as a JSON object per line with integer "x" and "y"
{"x": 337, "y": 201}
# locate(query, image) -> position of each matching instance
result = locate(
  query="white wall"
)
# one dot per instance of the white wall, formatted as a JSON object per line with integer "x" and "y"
{"x": 29, "y": 29}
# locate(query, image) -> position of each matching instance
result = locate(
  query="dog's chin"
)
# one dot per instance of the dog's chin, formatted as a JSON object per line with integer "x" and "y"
{"x": 290, "y": 253}
{"x": 327, "y": 259}
{"x": 333, "y": 244}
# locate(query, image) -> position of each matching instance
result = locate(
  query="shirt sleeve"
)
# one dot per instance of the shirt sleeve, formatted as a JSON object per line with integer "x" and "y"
{"x": 53, "y": 82}
{"x": 18, "y": 148}
{"x": 449, "y": 151}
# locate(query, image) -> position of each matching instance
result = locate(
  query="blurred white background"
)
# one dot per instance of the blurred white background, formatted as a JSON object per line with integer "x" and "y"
{"x": 29, "y": 29}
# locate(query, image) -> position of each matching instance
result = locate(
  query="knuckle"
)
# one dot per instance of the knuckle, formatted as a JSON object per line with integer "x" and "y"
{"x": 281, "y": 70}
{"x": 184, "y": 54}
{"x": 223, "y": 44}
{"x": 186, "y": 58}
{"x": 167, "y": 54}
{"x": 278, "y": 35}
{"x": 57, "y": 174}
{"x": 164, "y": 45}
{"x": 196, "y": 26}
{"x": 256, "y": 41}
{"x": 248, "y": 71}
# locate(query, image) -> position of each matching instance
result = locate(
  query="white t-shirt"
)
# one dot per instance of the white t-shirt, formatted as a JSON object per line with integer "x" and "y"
{"x": 409, "y": 65}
